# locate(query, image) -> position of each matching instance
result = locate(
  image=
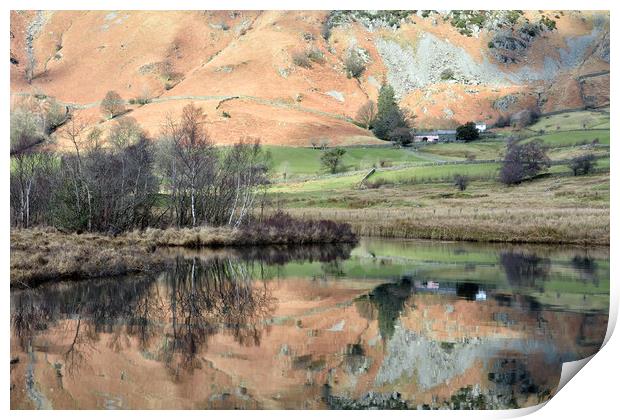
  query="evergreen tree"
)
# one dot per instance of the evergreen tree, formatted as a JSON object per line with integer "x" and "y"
{"x": 467, "y": 132}
{"x": 389, "y": 115}
{"x": 387, "y": 99}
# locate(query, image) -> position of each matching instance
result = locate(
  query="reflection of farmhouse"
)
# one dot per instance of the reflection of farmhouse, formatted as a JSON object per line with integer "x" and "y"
{"x": 435, "y": 136}
{"x": 469, "y": 291}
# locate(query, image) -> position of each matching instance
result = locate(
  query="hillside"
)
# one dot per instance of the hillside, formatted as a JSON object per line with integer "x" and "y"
{"x": 446, "y": 68}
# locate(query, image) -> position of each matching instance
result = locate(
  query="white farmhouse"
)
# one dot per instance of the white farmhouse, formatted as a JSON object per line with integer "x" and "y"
{"x": 482, "y": 127}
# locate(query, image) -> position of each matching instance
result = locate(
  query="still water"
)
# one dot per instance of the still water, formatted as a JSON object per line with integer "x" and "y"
{"x": 385, "y": 324}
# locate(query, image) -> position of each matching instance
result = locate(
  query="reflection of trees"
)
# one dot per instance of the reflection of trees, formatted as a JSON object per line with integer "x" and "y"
{"x": 27, "y": 317}
{"x": 194, "y": 300}
{"x": 585, "y": 267}
{"x": 80, "y": 311}
{"x": 329, "y": 255}
{"x": 514, "y": 381}
{"x": 332, "y": 268}
{"x": 206, "y": 297}
{"x": 524, "y": 270}
{"x": 282, "y": 254}
{"x": 389, "y": 300}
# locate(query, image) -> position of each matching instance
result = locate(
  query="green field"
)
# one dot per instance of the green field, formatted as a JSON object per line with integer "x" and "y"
{"x": 303, "y": 161}
{"x": 573, "y": 138}
{"x": 415, "y": 174}
{"x": 480, "y": 150}
{"x": 572, "y": 121}
{"x": 331, "y": 183}
{"x": 436, "y": 173}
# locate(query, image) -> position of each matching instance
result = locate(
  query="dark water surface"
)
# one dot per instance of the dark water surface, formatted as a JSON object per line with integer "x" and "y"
{"x": 387, "y": 324}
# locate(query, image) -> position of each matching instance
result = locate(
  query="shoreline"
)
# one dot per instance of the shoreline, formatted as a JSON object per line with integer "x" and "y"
{"x": 40, "y": 255}
{"x": 555, "y": 227}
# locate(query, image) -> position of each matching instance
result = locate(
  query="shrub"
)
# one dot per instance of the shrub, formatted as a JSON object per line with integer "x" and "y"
{"x": 401, "y": 136}
{"x": 447, "y": 74}
{"x": 467, "y": 132}
{"x": 525, "y": 117}
{"x": 354, "y": 64}
{"x": 582, "y": 165}
{"x": 285, "y": 229}
{"x": 315, "y": 55}
{"x": 301, "y": 59}
{"x": 548, "y": 22}
{"x": 331, "y": 159}
{"x": 461, "y": 182}
{"x": 502, "y": 121}
{"x": 139, "y": 101}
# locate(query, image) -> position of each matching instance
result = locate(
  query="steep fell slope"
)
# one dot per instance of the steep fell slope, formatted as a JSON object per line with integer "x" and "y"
{"x": 243, "y": 67}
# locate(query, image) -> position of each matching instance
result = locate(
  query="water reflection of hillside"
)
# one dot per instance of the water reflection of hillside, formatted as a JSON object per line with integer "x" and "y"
{"x": 309, "y": 328}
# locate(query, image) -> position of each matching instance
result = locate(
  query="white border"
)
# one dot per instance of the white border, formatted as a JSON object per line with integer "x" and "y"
{"x": 592, "y": 394}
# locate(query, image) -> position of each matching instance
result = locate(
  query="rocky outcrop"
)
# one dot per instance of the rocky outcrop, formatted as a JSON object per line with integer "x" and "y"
{"x": 410, "y": 69}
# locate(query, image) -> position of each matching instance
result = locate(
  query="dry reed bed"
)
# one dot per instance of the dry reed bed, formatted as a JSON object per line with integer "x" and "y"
{"x": 40, "y": 255}
{"x": 583, "y": 226}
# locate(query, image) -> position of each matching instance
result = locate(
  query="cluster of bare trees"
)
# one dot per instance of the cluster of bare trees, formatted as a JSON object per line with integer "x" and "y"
{"x": 111, "y": 181}
{"x": 30, "y": 166}
{"x": 106, "y": 184}
{"x": 209, "y": 185}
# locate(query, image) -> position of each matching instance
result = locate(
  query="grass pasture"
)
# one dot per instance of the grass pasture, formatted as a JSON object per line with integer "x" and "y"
{"x": 436, "y": 173}
{"x": 572, "y": 121}
{"x": 547, "y": 210}
{"x": 420, "y": 201}
{"x": 480, "y": 150}
{"x": 572, "y": 138}
{"x": 303, "y": 161}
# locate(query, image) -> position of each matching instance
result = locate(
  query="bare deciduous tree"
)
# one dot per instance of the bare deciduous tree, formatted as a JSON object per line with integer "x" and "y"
{"x": 367, "y": 114}
{"x": 75, "y": 132}
{"x": 193, "y": 156}
{"x": 112, "y": 104}
{"x": 30, "y": 166}
{"x": 523, "y": 161}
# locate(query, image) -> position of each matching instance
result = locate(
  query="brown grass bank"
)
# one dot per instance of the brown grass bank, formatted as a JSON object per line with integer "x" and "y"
{"x": 41, "y": 255}
{"x": 46, "y": 254}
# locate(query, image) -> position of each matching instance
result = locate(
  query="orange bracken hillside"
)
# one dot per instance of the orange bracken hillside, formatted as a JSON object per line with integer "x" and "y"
{"x": 239, "y": 66}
